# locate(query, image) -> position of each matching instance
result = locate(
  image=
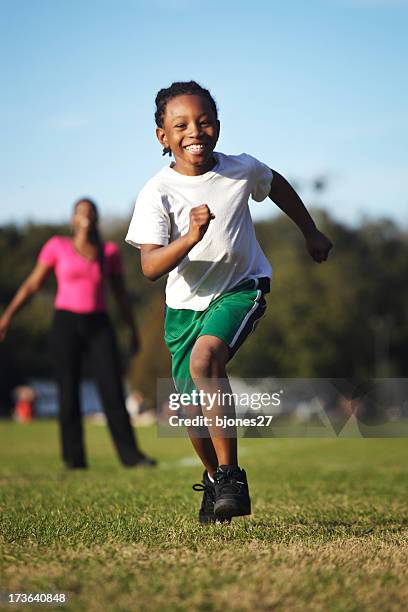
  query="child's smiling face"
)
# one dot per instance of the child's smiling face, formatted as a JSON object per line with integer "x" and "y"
{"x": 190, "y": 129}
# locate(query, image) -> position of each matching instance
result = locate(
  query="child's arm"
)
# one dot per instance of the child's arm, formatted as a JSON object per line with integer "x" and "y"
{"x": 284, "y": 196}
{"x": 158, "y": 260}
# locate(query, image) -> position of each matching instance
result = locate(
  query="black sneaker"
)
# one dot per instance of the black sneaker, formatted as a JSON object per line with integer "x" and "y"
{"x": 206, "y": 512}
{"x": 231, "y": 492}
{"x": 146, "y": 461}
{"x": 142, "y": 461}
{"x": 76, "y": 466}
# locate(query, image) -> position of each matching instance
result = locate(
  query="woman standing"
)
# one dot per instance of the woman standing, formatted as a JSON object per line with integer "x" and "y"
{"x": 81, "y": 326}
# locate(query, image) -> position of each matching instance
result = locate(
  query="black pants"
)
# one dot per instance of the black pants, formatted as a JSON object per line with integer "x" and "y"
{"x": 74, "y": 335}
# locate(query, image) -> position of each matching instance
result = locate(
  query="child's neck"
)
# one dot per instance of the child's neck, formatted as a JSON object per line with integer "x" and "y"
{"x": 189, "y": 170}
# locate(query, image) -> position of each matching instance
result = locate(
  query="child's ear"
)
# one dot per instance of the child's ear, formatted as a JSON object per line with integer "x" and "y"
{"x": 161, "y": 137}
{"x": 218, "y": 129}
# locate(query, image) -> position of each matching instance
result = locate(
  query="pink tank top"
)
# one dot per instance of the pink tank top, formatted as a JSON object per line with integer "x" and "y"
{"x": 80, "y": 283}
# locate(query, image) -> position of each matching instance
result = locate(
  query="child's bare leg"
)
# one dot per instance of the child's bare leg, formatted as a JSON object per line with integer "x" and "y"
{"x": 207, "y": 367}
{"x": 204, "y": 448}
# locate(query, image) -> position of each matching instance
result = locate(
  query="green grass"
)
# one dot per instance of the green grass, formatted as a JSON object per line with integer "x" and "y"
{"x": 328, "y": 531}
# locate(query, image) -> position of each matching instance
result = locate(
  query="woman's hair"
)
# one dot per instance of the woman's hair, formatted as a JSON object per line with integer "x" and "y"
{"x": 180, "y": 88}
{"x": 94, "y": 233}
{"x": 91, "y": 204}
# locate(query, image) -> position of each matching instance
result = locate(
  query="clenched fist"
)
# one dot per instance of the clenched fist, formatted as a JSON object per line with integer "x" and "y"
{"x": 200, "y": 217}
{"x": 318, "y": 246}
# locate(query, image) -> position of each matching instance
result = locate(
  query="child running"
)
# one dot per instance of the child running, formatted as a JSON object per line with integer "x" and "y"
{"x": 192, "y": 222}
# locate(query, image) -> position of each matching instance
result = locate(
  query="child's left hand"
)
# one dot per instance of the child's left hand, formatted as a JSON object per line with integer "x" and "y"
{"x": 318, "y": 246}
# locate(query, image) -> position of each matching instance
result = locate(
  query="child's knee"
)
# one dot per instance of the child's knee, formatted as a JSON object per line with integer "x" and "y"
{"x": 201, "y": 361}
{"x": 208, "y": 360}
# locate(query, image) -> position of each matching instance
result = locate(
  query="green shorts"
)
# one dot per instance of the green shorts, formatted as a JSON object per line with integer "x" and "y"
{"x": 231, "y": 317}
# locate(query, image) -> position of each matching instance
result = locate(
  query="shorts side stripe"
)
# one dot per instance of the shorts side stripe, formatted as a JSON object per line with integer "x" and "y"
{"x": 245, "y": 319}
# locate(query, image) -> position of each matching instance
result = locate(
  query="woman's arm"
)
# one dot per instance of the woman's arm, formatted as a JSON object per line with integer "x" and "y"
{"x": 26, "y": 290}
{"x": 119, "y": 290}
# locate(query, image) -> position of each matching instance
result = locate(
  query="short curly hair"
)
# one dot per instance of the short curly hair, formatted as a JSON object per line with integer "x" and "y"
{"x": 179, "y": 88}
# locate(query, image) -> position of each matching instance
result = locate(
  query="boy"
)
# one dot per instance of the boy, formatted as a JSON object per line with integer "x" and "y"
{"x": 192, "y": 222}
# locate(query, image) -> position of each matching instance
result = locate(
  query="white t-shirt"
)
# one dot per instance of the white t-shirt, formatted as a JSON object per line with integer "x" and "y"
{"x": 229, "y": 252}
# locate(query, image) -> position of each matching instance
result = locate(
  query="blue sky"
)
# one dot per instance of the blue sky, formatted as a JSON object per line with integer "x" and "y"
{"x": 316, "y": 88}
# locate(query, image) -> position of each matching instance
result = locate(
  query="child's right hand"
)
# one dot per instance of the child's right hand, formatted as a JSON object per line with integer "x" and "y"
{"x": 200, "y": 217}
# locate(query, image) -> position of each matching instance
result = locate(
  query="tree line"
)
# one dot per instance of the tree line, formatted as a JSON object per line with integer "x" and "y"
{"x": 347, "y": 318}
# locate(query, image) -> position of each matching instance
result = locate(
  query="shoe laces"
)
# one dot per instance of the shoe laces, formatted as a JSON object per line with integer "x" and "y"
{"x": 228, "y": 482}
{"x": 209, "y": 494}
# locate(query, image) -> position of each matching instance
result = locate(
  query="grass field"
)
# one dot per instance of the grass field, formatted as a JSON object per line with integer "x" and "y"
{"x": 328, "y": 532}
